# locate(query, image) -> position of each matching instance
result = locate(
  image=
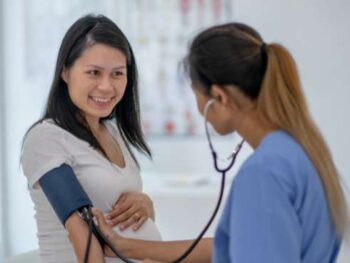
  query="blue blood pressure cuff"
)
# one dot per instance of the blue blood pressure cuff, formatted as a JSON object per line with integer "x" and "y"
{"x": 64, "y": 191}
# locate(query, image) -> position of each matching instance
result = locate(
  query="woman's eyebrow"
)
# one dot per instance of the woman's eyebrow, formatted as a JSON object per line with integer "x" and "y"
{"x": 99, "y": 67}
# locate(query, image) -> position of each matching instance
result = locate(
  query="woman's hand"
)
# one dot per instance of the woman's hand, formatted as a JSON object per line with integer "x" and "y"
{"x": 131, "y": 209}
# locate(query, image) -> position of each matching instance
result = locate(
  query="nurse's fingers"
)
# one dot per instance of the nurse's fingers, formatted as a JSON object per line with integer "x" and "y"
{"x": 102, "y": 224}
{"x": 99, "y": 216}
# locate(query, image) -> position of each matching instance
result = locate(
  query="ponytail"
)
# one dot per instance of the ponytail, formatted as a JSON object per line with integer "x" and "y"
{"x": 281, "y": 102}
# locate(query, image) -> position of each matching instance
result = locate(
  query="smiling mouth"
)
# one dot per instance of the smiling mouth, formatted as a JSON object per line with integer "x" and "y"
{"x": 102, "y": 103}
{"x": 101, "y": 100}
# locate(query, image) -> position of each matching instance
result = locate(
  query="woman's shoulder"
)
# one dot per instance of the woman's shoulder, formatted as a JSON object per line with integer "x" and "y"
{"x": 44, "y": 148}
{"x": 43, "y": 130}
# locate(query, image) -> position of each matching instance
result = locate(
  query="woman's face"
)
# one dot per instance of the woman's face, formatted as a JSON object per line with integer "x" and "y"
{"x": 97, "y": 80}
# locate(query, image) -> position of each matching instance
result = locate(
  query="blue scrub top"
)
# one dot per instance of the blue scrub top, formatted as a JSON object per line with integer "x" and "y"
{"x": 276, "y": 211}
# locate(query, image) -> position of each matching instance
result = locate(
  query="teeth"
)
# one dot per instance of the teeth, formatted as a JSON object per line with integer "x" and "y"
{"x": 101, "y": 99}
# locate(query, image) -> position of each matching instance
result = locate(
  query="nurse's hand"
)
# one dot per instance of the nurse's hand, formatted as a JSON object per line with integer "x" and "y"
{"x": 131, "y": 209}
{"x": 108, "y": 232}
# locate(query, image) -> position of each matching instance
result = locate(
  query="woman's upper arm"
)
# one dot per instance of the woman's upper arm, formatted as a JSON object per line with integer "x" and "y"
{"x": 44, "y": 148}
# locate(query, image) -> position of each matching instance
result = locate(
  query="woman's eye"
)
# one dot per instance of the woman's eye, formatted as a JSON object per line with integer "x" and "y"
{"x": 118, "y": 73}
{"x": 93, "y": 72}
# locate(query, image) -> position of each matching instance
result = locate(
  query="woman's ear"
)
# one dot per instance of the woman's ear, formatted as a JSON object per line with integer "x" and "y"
{"x": 64, "y": 75}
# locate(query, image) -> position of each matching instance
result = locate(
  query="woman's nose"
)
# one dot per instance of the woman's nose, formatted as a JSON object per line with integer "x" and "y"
{"x": 105, "y": 84}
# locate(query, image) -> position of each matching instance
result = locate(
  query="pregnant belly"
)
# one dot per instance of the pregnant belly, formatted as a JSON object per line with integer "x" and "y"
{"x": 148, "y": 231}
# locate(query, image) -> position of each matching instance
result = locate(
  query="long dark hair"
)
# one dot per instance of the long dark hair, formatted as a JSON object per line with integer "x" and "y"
{"x": 85, "y": 32}
{"x": 235, "y": 54}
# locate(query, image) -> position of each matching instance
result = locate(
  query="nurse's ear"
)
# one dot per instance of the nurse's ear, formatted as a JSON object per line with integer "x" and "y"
{"x": 218, "y": 93}
{"x": 230, "y": 96}
{"x": 224, "y": 97}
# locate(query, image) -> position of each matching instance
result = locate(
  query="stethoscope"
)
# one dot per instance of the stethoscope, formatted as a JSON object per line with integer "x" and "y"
{"x": 92, "y": 228}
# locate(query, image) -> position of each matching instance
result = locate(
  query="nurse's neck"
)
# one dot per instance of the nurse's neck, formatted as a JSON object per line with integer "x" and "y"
{"x": 254, "y": 130}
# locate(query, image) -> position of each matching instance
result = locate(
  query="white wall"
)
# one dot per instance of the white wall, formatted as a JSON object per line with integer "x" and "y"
{"x": 2, "y": 139}
{"x": 20, "y": 225}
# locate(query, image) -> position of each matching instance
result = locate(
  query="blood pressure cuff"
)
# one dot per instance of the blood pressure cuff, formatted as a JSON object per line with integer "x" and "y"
{"x": 64, "y": 191}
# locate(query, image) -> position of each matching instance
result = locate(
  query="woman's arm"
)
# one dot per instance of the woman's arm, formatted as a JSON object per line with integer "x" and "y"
{"x": 78, "y": 235}
{"x": 157, "y": 250}
{"x": 65, "y": 194}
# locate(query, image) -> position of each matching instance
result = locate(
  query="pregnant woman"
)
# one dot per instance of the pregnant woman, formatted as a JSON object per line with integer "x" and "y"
{"x": 90, "y": 125}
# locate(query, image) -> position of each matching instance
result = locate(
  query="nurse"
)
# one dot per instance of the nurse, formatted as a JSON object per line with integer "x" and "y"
{"x": 286, "y": 203}
{"x": 90, "y": 125}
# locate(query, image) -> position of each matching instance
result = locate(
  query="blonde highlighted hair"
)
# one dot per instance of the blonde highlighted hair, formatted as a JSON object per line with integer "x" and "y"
{"x": 282, "y": 103}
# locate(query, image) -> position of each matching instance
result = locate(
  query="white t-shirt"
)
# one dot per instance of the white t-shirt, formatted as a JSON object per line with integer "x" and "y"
{"x": 48, "y": 146}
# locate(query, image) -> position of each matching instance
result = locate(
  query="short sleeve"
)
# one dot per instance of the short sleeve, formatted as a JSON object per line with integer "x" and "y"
{"x": 44, "y": 149}
{"x": 264, "y": 225}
